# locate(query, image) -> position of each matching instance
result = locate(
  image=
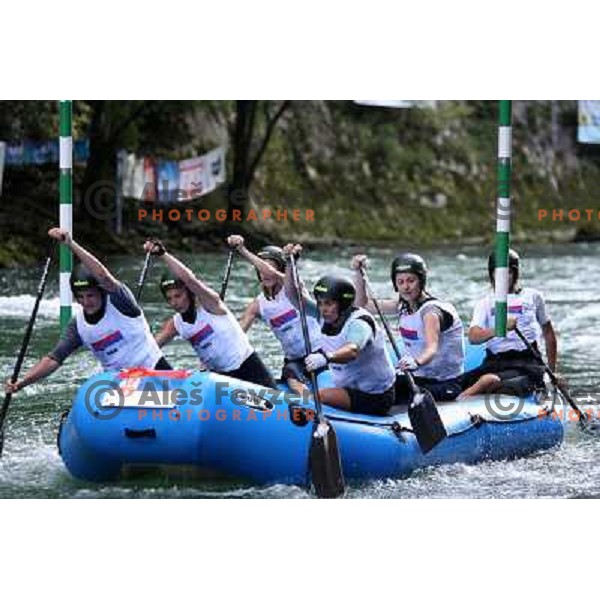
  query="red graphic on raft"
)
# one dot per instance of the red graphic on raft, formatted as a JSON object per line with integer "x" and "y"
{"x": 201, "y": 335}
{"x": 409, "y": 334}
{"x": 107, "y": 341}
{"x": 281, "y": 320}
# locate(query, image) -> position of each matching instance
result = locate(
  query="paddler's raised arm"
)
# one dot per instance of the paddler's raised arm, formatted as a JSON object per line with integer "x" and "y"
{"x": 290, "y": 286}
{"x": 262, "y": 266}
{"x": 105, "y": 278}
{"x": 388, "y": 307}
{"x": 208, "y": 297}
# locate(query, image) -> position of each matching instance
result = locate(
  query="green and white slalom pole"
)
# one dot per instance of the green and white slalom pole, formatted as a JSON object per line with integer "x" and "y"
{"x": 66, "y": 206}
{"x": 503, "y": 211}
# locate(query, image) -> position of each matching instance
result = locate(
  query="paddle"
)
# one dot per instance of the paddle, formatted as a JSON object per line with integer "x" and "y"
{"x": 25, "y": 343}
{"x": 225, "y": 281}
{"x": 324, "y": 456}
{"x": 584, "y": 420}
{"x": 143, "y": 275}
{"x": 422, "y": 411}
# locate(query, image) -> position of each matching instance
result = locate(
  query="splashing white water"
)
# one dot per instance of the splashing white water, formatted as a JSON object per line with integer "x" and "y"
{"x": 21, "y": 306}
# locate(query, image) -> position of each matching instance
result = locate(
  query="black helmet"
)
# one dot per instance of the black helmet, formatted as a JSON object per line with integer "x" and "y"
{"x": 340, "y": 289}
{"x": 514, "y": 261}
{"x": 274, "y": 253}
{"x": 409, "y": 263}
{"x": 168, "y": 282}
{"x": 82, "y": 279}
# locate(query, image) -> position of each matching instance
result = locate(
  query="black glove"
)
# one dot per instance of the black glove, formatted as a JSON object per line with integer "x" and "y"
{"x": 159, "y": 248}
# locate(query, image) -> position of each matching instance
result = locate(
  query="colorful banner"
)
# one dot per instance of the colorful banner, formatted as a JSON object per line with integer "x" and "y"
{"x": 150, "y": 193}
{"x": 215, "y": 160}
{"x": 202, "y": 174}
{"x": 167, "y": 178}
{"x": 588, "y": 131}
{"x": 133, "y": 175}
{"x": 2, "y": 154}
{"x": 41, "y": 153}
{"x": 192, "y": 177}
{"x": 141, "y": 178}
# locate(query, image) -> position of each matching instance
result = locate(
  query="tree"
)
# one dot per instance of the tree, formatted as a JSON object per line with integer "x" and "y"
{"x": 249, "y": 144}
{"x": 154, "y": 127}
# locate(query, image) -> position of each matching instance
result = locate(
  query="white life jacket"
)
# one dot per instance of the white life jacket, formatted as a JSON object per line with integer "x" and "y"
{"x": 372, "y": 371}
{"x": 118, "y": 341}
{"x": 523, "y": 307}
{"x": 218, "y": 340}
{"x": 283, "y": 320}
{"x": 448, "y": 360}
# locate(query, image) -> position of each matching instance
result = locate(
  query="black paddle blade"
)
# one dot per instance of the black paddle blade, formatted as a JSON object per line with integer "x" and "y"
{"x": 1, "y": 441}
{"x": 425, "y": 421}
{"x": 325, "y": 463}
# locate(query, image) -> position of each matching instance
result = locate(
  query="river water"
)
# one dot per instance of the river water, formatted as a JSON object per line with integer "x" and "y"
{"x": 567, "y": 274}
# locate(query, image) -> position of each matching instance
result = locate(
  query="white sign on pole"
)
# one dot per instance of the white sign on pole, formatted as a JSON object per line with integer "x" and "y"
{"x": 588, "y": 131}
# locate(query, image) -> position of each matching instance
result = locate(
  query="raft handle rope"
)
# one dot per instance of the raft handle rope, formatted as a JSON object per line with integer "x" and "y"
{"x": 477, "y": 420}
{"x": 394, "y": 426}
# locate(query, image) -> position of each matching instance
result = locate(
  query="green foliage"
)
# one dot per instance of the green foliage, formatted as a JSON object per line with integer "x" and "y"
{"x": 370, "y": 174}
{"x": 34, "y": 120}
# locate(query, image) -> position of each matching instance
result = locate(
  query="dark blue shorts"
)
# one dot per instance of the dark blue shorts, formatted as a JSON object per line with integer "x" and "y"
{"x": 442, "y": 391}
{"x": 371, "y": 404}
{"x": 253, "y": 370}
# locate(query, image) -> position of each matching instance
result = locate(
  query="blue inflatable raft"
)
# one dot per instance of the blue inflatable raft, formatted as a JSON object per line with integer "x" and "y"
{"x": 218, "y": 425}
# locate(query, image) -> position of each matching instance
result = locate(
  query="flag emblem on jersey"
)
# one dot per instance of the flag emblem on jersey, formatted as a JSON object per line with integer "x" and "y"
{"x": 515, "y": 309}
{"x": 282, "y": 319}
{"x": 409, "y": 334}
{"x": 202, "y": 334}
{"x": 107, "y": 341}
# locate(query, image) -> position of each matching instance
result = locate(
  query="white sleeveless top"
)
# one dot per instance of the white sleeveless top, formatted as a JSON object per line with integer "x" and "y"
{"x": 448, "y": 360}
{"x": 218, "y": 340}
{"x": 372, "y": 371}
{"x": 283, "y": 320}
{"x": 119, "y": 341}
{"x": 528, "y": 307}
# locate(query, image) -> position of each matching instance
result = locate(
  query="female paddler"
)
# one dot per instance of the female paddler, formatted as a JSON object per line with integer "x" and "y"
{"x": 204, "y": 320}
{"x": 108, "y": 322}
{"x": 353, "y": 347}
{"x": 431, "y": 329}
{"x": 510, "y": 366}
{"x": 276, "y": 307}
